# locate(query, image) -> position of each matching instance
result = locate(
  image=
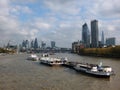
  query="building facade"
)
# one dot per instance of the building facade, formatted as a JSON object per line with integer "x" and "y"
{"x": 85, "y": 36}
{"x": 94, "y": 34}
{"x": 35, "y": 44}
{"x": 43, "y": 45}
{"x": 102, "y": 40}
{"x": 76, "y": 46}
{"x": 52, "y": 44}
{"x": 110, "y": 41}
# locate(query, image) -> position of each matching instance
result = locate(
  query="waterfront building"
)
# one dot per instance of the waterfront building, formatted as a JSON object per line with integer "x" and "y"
{"x": 85, "y": 36}
{"x": 94, "y": 34}
{"x": 76, "y": 46}
{"x": 52, "y": 44}
{"x": 110, "y": 41}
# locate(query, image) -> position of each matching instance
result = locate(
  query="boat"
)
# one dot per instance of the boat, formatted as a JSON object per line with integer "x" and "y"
{"x": 94, "y": 69}
{"x": 45, "y": 59}
{"x": 70, "y": 64}
{"x": 33, "y": 57}
{"x": 51, "y": 53}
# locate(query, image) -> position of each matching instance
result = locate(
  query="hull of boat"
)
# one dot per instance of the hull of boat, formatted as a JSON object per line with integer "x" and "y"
{"x": 33, "y": 59}
{"x": 51, "y": 64}
{"x": 52, "y": 61}
{"x": 95, "y": 74}
{"x": 69, "y": 65}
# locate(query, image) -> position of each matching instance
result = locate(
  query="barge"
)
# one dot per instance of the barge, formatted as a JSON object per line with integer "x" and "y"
{"x": 94, "y": 70}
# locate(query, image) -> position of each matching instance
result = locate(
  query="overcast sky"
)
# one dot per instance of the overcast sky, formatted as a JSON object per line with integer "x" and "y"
{"x": 56, "y": 20}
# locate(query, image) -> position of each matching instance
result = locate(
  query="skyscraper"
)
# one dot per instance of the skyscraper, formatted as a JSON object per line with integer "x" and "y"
{"x": 94, "y": 34}
{"x": 23, "y": 44}
{"x": 102, "y": 39}
{"x": 85, "y": 35}
{"x": 32, "y": 44}
{"x": 52, "y": 44}
{"x": 43, "y": 45}
{"x": 35, "y": 44}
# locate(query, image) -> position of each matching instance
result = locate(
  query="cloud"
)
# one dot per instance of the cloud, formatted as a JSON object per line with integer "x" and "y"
{"x": 41, "y": 25}
{"x": 58, "y": 20}
{"x": 107, "y": 8}
{"x": 23, "y": 1}
{"x": 63, "y": 6}
{"x": 20, "y": 9}
{"x": 4, "y": 7}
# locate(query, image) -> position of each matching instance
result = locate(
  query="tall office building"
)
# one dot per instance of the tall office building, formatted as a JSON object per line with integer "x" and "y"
{"x": 43, "y": 45}
{"x": 85, "y": 36}
{"x": 102, "y": 39}
{"x": 24, "y": 44}
{"x": 35, "y": 44}
{"x": 32, "y": 44}
{"x": 52, "y": 44}
{"x": 94, "y": 34}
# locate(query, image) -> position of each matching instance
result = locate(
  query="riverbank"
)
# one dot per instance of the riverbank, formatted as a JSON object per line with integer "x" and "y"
{"x": 110, "y": 52}
{"x": 7, "y": 51}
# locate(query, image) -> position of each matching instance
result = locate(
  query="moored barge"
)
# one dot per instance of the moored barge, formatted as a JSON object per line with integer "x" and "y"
{"x": 94, "y": 70}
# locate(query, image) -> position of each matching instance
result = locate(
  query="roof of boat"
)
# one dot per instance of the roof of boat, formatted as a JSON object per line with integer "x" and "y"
{"x": 33, "y": 55}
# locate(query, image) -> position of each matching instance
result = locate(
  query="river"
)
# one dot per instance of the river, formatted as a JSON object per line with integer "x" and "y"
{"x": 17, "y": 73}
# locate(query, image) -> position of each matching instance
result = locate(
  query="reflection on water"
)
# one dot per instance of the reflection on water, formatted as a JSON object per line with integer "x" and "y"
{"x": 17, "y": 73}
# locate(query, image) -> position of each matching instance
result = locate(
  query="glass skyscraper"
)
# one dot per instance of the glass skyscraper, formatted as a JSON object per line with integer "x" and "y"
{"x": 94, "y": 34}
{"x": 102, "y": 39}
{"x": 35, "y": 44}
{"x": 85, "y": 36}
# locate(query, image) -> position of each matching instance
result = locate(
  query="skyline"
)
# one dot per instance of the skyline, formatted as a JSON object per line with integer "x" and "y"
{"x": 56, "y": 20}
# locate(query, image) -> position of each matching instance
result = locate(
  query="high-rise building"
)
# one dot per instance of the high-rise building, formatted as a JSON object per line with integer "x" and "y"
{"x": 110, "y": 41}
{"x": 32, "y": 44}
{"x": 35, "y": 44}
{"x": 94, "y": 34}
{"x": 23, "y": 44}
{"x": 52, "y": 44}
{"x": 85, "y": 36}
{"x": 43, "y": 45}
{"x": 102, "y": 39}
{"x": 27, "y": 44}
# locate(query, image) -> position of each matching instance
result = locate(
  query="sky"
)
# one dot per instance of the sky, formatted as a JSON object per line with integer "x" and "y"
{"x": 56, "y": 20}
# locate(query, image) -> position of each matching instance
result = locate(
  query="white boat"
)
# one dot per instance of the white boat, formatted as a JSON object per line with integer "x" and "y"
{"x": 45, "y": 59}
{"x": 33, "y": 57}
{"x": 94, "y": 70}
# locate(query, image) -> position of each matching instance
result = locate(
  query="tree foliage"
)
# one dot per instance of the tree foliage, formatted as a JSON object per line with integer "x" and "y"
{"x": 107, "y": 52}
{"x": 2, "y": 50}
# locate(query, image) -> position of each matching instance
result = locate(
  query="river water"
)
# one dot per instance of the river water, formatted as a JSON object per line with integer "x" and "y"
{"x": 17, "y": 73}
